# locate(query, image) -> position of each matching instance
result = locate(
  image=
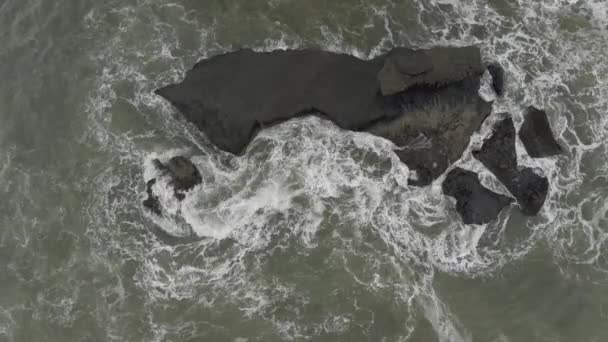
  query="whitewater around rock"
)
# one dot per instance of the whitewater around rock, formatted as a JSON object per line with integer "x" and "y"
{"x": 426, "y": 102}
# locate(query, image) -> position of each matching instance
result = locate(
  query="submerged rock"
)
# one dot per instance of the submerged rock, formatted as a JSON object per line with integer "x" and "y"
{"x": 183, "y": 176}
{"x": 498, "y": 155}
{"x": 408, "y": 96}
{"x": 536, "y": 135}
{"x": 475, "y": 203}
{"x": 498, "y": 78}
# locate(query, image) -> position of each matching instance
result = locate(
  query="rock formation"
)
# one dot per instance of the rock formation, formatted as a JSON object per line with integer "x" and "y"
{"x": 406, "y": 95}
{"x": 536, "y": 135}
{"x": 475, "y": 203}
{"x": 183, "y": 176}
{"x": 498, "y": 78}
{"x": 498, "y": 155}
{"x": 183, "y": 173}
{"x": 425, "y": 101}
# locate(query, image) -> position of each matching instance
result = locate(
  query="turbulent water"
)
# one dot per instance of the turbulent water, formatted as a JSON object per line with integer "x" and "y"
{"x": 313, "y": 234}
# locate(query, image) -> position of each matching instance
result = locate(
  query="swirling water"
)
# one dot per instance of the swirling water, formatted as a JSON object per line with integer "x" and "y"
{"x": 313, "y": 234}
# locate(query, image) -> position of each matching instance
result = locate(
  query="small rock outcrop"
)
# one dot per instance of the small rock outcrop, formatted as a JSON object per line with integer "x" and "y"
{"x": 498, "y": 155}
{"x": 405, "y": 95}
{"x": 475, "y": 203}
{"x": 536, "y": 135}
{"x": 183, "y": 173}
{"x": 183, "y": 176}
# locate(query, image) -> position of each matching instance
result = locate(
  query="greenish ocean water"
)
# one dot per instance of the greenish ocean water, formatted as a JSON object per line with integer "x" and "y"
{"x": 313, "y": 234}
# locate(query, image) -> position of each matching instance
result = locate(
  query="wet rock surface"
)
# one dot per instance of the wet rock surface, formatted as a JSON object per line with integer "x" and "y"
{"x": 536, "y": 134}
{"x": 498, "y": 155}
{"x": 408, "y": 96}
{"x": 475, "y": 203}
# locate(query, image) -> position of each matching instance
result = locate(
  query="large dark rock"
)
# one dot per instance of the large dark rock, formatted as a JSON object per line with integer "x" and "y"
{"x": 475, "y": 203}
{"x": 498, "y": 78}
{"x": 536, "y": 135}
{"x": 405, "y": 95}
{"x": 498, "y": 155}
{"x": 183, "y": 176}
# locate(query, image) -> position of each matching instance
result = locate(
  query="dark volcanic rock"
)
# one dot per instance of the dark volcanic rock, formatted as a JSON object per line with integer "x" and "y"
{"x": 183, "y": 176}
{"x": 498, "y": 155}
{"x": 498, "y": 78}
{"x": 406, "y": 96}
{"x": 536, "y": 135}
{"x": 475, "y": 203}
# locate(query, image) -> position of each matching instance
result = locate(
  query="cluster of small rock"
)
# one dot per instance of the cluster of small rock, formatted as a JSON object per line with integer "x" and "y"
{"x": 477, "y": 204}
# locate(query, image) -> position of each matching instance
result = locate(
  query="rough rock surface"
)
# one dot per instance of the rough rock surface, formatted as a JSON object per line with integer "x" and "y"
{"x": 425, "y": 101}
{"x": 475, "y": 203}
{"x": 435, "y": 128}
{"x": 183, "y": 176}
{"x": 536, "y": 135}
{"x": 498, "y": 78}
{"x": 498, "y": 155}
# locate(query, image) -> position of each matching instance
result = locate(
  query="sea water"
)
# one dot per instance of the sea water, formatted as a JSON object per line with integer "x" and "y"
{"x": 313, "y": 234}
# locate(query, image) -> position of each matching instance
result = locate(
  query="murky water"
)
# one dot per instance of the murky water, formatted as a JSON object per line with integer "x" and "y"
{"x": 313, "y": 234}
